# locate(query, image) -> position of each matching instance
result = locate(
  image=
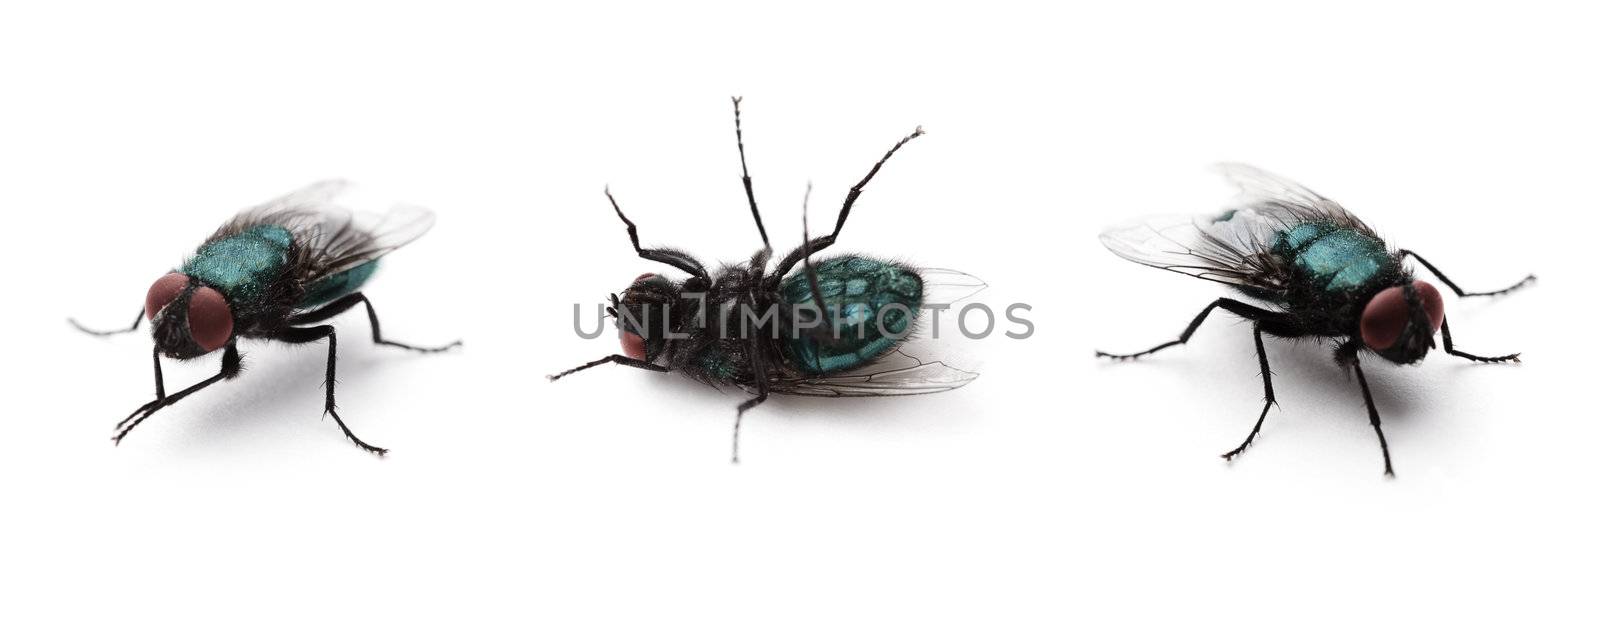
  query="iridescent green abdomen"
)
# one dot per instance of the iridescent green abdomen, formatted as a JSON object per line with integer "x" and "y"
{"x": 337, "y": 285}
{"x": 873, "y": 302}
{"x": 1334, "y": 258}
{"x": 243, "y": 266}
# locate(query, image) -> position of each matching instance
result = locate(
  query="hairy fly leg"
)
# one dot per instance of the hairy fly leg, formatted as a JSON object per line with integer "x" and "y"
{"x": 1242, "y": 309}
{"x": 738, "y": 418}
{"x": 1274, "y": 322}
{"x": 344, "y": 304}
{"x": 1456, "y": 288}
{"x": 1450, "y": 348}
{"x": 230, "y": 369}
{"x": 805, "y": 255}
{"x": 758, "y": 369}
{"x": 818, "y": 244}
{"x": 109, "y": 332}
{"x": 674, "y": 258}
{"x": 1266, "y": 383}
{"x": 313, "y": 334}
{"x": 611, "y": 359}
{"x": 1449, "y": 345}
{"x": 1372, "y": 412}
{"x": 749, "y": 191}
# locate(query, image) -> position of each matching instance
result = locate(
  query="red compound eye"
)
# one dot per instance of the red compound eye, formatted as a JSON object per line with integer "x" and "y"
{"x": 162, "y": 292}
{"x": 633, "y": 346}
{"x": 210, "y": 319}
{"x": 1432, "y": 303}
{"x": 1384, "y": 318}
{"x": 632, "y": 343}
{"x": 1386, "y": 315}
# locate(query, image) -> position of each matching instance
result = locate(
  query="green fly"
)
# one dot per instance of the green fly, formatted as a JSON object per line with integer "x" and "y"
{"x": 836, "y": 327}
{"x": 273, "y": 272}
{"x": 1327, "y": 274}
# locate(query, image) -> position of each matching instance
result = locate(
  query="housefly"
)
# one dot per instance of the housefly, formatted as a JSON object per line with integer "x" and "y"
{"x": 836, "y": 328}
{"x": 273, "y": 272}
{"x": 1325, "y": 273}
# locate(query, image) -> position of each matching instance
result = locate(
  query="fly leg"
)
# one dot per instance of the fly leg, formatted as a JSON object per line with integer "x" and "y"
{"x": 818, "y": 244}
{"x": 109, "y": 332}
{"x": 611, "y": 359}
{"x": 1372, "y": 413}
{"x": 758, "y": 368}
{"x": 313, "y": 334}
{"x": 759, "y": 262}
{"x": 674, "y": 258}
{"x": 749, "y": 192}
{"x": 344, "y": 304}
{"x": 230, "y": 369}
{"x": 1459, "y": 292}
{"x": 1266, "y": 382}
{"x": 1243, "y": 309}
{"x": 1450, "y": 348}
{"x": 805, "y": 255}
{"x": 1260, "y": 316}
{"x": 738, "y": 418}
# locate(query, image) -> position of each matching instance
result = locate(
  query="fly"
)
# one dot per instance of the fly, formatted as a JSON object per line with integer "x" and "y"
{"x": 834, "y": 329}
{"x": 1327, "y": 274}
{"x": 272, "y": 273}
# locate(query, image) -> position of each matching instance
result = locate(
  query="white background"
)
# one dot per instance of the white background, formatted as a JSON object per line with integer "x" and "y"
{"x": 1057, "y": 491}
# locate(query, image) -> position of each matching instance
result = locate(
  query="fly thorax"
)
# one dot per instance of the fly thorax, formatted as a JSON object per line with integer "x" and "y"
{"x": 1333, "y": 258}
{"x": 243, "y": 266}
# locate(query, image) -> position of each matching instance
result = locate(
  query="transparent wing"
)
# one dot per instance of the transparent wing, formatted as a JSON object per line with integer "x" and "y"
{"x": 943, "y": 286}
{"x": 333, "y": 227}
{"x": 316, "y": 193}
{"x": 346, "y": 240}
{"x": 1232, "y": 247}
{"x": 1283, "y": 202}
{"x": 303, "y": 211}
{"x": 1228, "y": 248}
{"x": 896, "y": 373}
